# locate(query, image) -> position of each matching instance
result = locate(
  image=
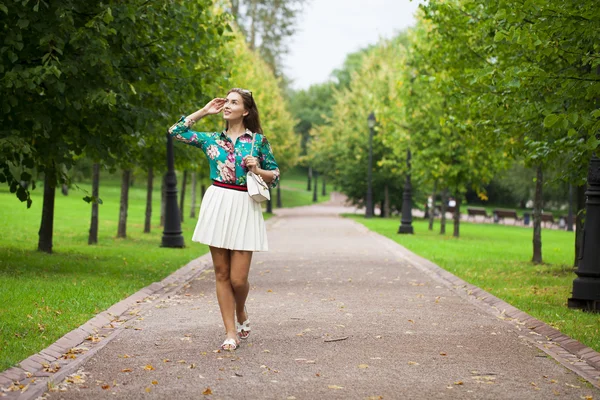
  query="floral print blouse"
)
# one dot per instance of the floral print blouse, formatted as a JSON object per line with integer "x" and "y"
{"x": 225, "y": 158}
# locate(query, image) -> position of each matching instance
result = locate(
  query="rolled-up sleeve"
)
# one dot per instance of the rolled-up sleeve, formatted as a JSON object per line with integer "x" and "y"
{"x": 267, "y": 161}
{"x": 181, "y": 131}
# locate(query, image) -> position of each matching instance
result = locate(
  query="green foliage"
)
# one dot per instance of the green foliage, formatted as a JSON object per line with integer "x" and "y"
{"x": 97, "y": 77}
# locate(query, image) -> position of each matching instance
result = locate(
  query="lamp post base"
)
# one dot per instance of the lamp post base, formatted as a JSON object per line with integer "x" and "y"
{"x": 585, "y": 294}
{"x": 172, "y": 241}
{"x": 585, "y": 305}
{"x": 406, "y": 229}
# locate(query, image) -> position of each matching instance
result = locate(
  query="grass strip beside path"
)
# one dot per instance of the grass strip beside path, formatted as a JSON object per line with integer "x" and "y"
{"x": 497, "y": 258}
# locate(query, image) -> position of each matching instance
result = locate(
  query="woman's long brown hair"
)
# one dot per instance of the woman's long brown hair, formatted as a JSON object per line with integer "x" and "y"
{"x": 252, "y": 120}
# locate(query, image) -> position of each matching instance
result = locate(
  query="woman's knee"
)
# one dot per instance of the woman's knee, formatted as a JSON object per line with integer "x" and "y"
{"x": 222, "y": 272}
{"x": 239, "y": 283}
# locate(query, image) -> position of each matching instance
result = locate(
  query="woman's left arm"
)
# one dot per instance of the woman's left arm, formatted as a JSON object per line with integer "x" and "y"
{"x": 269, "y": 170}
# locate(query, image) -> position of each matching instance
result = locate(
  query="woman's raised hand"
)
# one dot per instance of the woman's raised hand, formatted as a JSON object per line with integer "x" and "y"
{"x": 214, "y": 106}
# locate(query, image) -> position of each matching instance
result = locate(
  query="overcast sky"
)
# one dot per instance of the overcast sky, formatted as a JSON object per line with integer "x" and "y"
{"x": 328, "y": 30}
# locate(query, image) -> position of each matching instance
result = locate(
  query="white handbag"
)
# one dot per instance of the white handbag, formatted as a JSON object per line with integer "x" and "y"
{"x": 258, "y": 190}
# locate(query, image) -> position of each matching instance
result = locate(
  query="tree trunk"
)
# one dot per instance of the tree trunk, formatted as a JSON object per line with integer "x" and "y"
{"x": 324, "y": 186}
{"x": 93, "y": 236}
{"x": 202, "y": 190}
{"x": 316, "y": 183}
{"x": 432, "y": 211}
{"x": 279, "y": 196}
{"x": 47, "y": 225}
{"x": 124, "y": 203}
{"x": 182, "y": 196}
{"x": 235, "y": 8}
{"x": 309, "y": 176}
{"x": 253, "y": 16}
{"x": 537, "y": 217}
{"x": 149, "y": 188}
{"x": 64, "y": 189}
{"x": 163, "y": 200}
{"x": 457, "y": 217}
{"x": 382, "y": 209}
{"x": 386, "y": 201}
{"x": 579, "y": 217}
{"x": 193, "y": 201}
{"x": 443, "y": 211}
{"x": 269, "y": 209}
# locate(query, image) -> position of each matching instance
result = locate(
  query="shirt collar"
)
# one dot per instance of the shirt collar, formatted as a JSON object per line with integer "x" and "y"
{"x": 247, "y": 133}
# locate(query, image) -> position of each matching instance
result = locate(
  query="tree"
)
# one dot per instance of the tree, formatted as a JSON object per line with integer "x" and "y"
{"x": 267, "y": 24}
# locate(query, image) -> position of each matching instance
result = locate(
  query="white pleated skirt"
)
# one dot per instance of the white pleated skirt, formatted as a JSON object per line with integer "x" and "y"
{"x": 230, "y": 219}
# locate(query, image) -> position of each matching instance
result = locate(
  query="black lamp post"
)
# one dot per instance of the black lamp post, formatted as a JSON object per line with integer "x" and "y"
{"x": 172, "y": 233}
{"x": 371, "y": 122}
{"x": 586, "y": 287}
{"x": 406, "y": 221}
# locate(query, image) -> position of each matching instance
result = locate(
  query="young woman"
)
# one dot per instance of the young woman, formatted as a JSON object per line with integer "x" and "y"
{"x": 230, "y": 222}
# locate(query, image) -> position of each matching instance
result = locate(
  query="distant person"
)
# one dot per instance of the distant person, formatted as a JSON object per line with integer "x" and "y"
{"x": 230, "y": 222}
{"x": 452, "y": 202}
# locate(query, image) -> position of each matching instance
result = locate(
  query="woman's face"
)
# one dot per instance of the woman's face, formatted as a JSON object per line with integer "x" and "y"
{"x": 234, "y": 107}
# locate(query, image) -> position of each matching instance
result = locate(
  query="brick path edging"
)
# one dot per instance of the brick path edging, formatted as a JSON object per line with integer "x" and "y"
{"x": 103, "y": 327}
{"x": 575, "y": 356}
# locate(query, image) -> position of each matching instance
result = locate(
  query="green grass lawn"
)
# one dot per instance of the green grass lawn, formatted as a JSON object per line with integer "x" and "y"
{"x": 43, "y": 296}
{"x": 497, "y": 258}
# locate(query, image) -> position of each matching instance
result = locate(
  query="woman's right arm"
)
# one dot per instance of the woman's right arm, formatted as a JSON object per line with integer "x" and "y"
{"x": 181, "y": 129}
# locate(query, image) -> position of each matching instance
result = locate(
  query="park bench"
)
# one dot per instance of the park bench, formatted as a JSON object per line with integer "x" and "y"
{"x": 474, "y": 211}
{"x": 548, "y": 218}
{"x": 501, "y": 214}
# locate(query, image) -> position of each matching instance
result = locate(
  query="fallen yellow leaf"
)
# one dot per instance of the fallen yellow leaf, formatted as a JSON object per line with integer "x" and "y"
{"x": 442, "y": 353}
{"x": 155, "y": 382}
{"x": 413, "y": 363}
{"x": 207, "y": 391}
{"x": 126, "y": 370}
{"x": 363, "y": 366}
{"x": 335, "y": 387}
{"x": 458, "y": 383}
{"x": 105, "y": 386}
{"x": 149, "y": 367}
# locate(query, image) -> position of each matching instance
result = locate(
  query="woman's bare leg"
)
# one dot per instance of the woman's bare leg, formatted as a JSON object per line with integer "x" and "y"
{"x": 240, "y": 268}
{"x": 222, "y": 262}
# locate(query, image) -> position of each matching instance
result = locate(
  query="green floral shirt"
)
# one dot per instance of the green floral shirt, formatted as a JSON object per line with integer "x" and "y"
{"x": 225, "y": 158}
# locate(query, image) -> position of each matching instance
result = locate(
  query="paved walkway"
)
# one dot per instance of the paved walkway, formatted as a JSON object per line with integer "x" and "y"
{"x": 337, "y": 312}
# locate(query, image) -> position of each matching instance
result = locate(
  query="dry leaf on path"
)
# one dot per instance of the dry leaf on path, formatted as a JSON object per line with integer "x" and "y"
{"x": 413, "y": 363}
{"x": 207, "y": 391}
{"x": 126, "y": 370}
{"x": 363, "y": 366}
{"x": 335, "y": 387}
{"x": 149, "y": 367}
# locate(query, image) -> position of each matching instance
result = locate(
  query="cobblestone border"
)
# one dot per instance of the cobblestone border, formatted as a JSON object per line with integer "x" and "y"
{"x": 93, "y": 335}
{"x": 575, "y": 356}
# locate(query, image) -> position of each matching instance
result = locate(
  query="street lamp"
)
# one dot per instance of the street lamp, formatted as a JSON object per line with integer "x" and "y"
{"x": 172, "y": 233}
{"x": 371, "y": 122}
{"x": 406, "y": 221}
{"x": 586, "y": 287}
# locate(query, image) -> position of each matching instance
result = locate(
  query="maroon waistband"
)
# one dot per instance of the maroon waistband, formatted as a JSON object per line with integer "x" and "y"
{"x": 230, "y": 186}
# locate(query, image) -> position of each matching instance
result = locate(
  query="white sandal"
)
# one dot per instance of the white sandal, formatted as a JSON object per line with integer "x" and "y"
{"x": 243, "y": 329}
{"x": 231, "y": 343}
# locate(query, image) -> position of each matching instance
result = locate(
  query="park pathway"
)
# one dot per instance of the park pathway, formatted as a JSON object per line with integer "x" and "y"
{"x": 337, "y": 312}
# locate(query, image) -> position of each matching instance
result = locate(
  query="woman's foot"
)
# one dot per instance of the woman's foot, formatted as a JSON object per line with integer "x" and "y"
{"x": 230, "y": 344}
{"x": 243, "y": 329}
